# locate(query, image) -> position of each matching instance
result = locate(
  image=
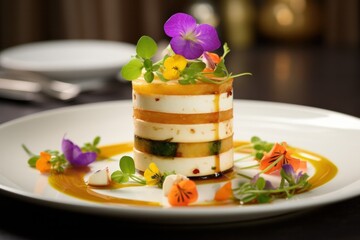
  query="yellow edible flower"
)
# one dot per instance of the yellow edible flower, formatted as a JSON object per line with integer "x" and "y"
{"x": 173, "y": 66}
{"x": 152, "y": 175}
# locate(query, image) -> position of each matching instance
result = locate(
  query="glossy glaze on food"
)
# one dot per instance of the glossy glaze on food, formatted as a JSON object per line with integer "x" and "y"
{"x": 182, "y": 128}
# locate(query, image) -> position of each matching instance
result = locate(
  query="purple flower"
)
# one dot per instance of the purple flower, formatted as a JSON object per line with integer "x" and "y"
{"x": 290, "y": 175}
{"x": 190, "y": 39}
{"x": 268, "y": 184}
{"x": 254, "y": 179}
{"x": 75, "y": 156}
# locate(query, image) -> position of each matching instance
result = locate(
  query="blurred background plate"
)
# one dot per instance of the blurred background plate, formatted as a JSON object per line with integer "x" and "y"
{"x": 69, "y": 60}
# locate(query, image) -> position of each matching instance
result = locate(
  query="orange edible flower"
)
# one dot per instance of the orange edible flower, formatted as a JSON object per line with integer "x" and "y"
{"x": 224, "y": 193}
{"x": 212, "y": 60}
{"x": 43, "y": 163}
{"x": 183, "y": 193}
{"x": 281, "y": 155}
{"x": 214, "y": 57}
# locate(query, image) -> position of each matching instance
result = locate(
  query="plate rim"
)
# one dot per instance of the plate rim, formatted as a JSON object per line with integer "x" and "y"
{"x": 187, "y": 213}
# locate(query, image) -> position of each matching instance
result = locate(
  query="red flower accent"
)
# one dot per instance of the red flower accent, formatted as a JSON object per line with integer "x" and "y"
{"x": 278, "y": 156}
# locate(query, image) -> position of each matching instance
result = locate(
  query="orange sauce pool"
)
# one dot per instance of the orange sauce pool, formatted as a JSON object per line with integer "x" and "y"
{"x": 72, "y": 182}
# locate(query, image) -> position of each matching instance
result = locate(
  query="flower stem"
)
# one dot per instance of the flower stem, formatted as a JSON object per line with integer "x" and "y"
{"x": 31, "y": 154}
{"x": 241, "y": 74}
{"x": 279, "y": 190}
{"x": 137, "y": 179}
{"x": 244, "y": 176}
{"x": 243, "y": 158}
{"x": 248, "y": 167}
{"x": 273, "y": 164}
{"x": 241, "y": 147}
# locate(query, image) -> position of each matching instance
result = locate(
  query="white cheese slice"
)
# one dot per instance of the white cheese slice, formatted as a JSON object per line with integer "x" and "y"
{"x": 183, "y": 104}
{"x": 99, "y": 178}
{"x": 191, "y": 167}
{"x": 183, "y": 132}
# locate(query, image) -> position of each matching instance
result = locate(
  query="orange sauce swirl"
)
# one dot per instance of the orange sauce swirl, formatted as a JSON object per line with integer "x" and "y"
{"x": 72, "y": 182}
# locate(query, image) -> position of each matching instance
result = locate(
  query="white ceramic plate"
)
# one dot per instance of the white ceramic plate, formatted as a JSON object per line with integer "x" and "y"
{"x": 69, "y": 59}
{"x": 333, "y": 135}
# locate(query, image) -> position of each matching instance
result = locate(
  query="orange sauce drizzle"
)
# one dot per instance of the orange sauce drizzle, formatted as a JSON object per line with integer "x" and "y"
{"x": 72, "y": 182}
{"x": 217, "y": 135}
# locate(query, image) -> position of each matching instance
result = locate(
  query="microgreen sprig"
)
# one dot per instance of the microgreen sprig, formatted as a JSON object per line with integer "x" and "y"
{"x": 92, "y": 146}
{"x": 221, "y": 72}
{"x": 145, "y": 49}
{"x": 58, "y": 161}
{"x": 127, "y": 171}
{"x": 194, "y": 71}
{"x": 33, "y": 157}
{"x": 259, "y": 190}
{"x": 257, "y": 148}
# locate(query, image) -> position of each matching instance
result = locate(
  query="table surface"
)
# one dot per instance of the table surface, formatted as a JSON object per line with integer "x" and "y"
{"x": 322, "y": 78}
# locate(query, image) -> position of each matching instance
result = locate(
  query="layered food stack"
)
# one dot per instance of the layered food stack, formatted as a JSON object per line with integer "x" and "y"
{"x": 183, "y": 103}
{"x": 183, "y": 128}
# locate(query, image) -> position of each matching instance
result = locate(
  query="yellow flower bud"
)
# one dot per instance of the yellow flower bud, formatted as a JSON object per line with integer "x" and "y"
{"x": 152, "y": 174}
{"x": 173, "y": 66}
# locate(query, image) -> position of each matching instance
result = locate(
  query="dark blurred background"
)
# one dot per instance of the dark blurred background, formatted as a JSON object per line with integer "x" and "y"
{"x": 242, "y": 23}
{"x": 299, "y": 51}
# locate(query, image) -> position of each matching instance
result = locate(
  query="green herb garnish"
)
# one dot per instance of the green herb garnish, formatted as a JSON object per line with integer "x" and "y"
{"x": 92, "y": 146}
{"x": 187, "y": 71}
{"x": 259, "y": 190}
{"x": 57, "y": 160}
{"x": 127, "y": 171}
{"x": 257, "y": 148}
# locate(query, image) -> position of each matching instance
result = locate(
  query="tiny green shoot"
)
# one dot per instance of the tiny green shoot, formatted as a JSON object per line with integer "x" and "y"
{"x": 257, "y": 148}
{"x": 127, "y": 171}
{"x": 259, "y": 190}
{"x": 92, "y": 146}
{"x": 142, "y": 63}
